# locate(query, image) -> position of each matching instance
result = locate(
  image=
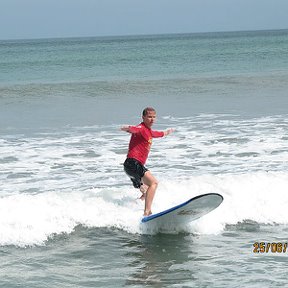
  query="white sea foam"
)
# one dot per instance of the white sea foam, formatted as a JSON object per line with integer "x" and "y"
{"x": 53, "y": 182}
{"x": 30, "y": 219}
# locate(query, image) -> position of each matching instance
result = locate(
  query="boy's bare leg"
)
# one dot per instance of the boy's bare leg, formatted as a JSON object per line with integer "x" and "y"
{"x": 143, "y": 189}
{"x": 152, "y": 183}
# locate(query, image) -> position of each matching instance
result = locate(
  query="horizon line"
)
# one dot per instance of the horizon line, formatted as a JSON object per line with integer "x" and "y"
{"x": 144, "y": 34}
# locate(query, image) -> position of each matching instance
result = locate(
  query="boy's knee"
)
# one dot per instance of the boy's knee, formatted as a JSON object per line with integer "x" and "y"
{"x": 155, "y": 182}
{"x": 149, "y": 180}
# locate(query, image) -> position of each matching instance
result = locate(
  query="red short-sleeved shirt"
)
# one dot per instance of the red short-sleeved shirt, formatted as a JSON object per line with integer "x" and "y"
{"x": 141, "y": 141}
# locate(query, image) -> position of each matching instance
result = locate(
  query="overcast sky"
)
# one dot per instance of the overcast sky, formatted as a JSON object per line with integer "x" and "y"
{"x": 72, "y": 18}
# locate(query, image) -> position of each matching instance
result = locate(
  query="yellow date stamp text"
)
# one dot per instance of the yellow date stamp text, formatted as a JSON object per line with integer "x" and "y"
{"x": 273, "y": 247}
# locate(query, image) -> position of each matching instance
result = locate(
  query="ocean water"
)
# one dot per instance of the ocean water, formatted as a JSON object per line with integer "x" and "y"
{"x": 69, "y": 216}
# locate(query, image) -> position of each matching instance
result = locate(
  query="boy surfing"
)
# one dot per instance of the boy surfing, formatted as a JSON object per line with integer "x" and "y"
{"x": 139, "y": 148}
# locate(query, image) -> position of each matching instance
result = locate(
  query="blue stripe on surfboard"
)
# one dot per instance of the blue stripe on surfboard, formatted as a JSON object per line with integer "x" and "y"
{"x": 153, "y": 216}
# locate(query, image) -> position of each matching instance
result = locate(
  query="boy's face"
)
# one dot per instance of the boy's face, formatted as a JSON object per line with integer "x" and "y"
{"x": 149, "y": 118}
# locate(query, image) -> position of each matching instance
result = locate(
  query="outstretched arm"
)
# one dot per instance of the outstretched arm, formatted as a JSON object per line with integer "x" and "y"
{"x": 132, "y": 129}
{"x": 169, "y": 131}
{"x": 125, "y": 128}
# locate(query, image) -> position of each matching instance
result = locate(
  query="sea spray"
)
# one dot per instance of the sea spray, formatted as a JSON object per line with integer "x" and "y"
{"x": 30, "y": 219}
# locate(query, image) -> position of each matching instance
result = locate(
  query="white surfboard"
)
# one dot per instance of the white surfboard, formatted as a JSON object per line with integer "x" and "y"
{"x": 188, "y": 211}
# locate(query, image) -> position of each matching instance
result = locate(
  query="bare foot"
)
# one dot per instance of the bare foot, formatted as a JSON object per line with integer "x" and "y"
{"x": 143, "y": 196}
{"x": 147, "y": 213}
{"x": 143, "y": 188}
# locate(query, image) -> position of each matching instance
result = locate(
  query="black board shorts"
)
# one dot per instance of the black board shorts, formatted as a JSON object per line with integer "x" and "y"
{"x": 135, "y": 170}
